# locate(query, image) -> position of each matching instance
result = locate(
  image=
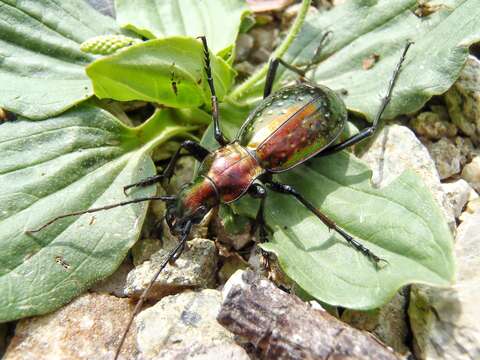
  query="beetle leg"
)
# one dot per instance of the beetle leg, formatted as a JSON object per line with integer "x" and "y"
{"x": 273, "y": 67}
{"x": 287, "y": 189}
{"x": 217, "y": 131}
{"x": 323, "y": 40}
{"x": 369, "y": 131}
{"x": 258, "y": 191}
{"x": 192, "y": 147}
{"x": 272, "y": 72}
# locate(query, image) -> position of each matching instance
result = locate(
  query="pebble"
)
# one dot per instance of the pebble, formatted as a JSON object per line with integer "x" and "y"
{"x": 447, "y": 157}
{"x": 471, "y": 173}
{"x": 458, "y": 193}
{"x": 433, "y": 125}
{"x": 266, "y": 38}
{"x": 444, "y": 321}
{"x": 463, "y": 100}
{"x": 88, "y": 328}
{"x": 245, "y": 68}
{"x": 196, "y": 268}
{"x": 396, "y": 149}
{"x": 184, "y": 326}
{"x": 244, "y": 45}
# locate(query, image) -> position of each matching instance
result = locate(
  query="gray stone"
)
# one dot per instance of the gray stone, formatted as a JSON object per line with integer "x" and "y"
{"x": 396, "y": 149}
{"x": 467, "y": 149}
{"x": 458, "y": 194}
{"x": 195, "y": 268}
{"x": 184, "y": 327}
{"x": 471, "y": 173}
{"x": 447, "y": 157}
{"x": 388, "y": 323}
{"x": 88, "y": 328}
{"x": 433, "y": 125}
{"x": 444, "y": 321}
{"x": 261, "y": 55}
{"x": 244, "y": 45}
{"x": 463, "y": 99}
{"x": 245, "y": 68}
{"x": 265, "y": 37}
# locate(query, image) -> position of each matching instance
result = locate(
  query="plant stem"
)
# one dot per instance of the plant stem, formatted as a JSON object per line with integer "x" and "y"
{"x": 282, "y": 49}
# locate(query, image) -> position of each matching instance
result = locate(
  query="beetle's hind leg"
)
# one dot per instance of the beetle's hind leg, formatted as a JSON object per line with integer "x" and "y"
{"x": 289, "y": 190}
{"x": 193, "y": 148}
{"x": 369, "y": 131}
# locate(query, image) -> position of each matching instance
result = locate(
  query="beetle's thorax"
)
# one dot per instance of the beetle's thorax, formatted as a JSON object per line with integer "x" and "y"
{"x": 230, "y": 170}
{"x": 223, "y": 177}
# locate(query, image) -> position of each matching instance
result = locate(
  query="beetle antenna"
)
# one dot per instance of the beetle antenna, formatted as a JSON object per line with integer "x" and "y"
{"x": 166, "y": 198}
{"x": 172, "y": 255}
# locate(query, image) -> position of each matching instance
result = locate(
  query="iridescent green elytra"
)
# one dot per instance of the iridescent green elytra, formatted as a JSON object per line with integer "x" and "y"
{"x": 292, "y": 125}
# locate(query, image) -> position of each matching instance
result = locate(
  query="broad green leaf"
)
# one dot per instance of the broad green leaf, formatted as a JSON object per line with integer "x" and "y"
{"x": 78, "y": 160}
{"x": 41, "y": 66}
{"x": 401, "y": 223}
{"x": 361, "y": 29}
{"x": 167, "y": 71}
{"x": 219, "y": 21}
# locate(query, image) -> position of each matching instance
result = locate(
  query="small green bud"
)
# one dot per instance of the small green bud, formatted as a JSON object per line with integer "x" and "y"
{"x": 107, "y": 44}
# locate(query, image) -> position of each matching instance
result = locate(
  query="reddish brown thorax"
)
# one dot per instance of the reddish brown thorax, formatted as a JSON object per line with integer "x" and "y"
{"x": 225, "y": 174}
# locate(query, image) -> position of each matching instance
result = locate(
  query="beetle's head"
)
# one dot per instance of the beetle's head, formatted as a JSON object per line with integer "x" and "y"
{"x": 192, "y": 204}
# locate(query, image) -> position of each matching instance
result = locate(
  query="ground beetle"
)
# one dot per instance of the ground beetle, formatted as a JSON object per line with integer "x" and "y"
{"x": 287, "y": 128}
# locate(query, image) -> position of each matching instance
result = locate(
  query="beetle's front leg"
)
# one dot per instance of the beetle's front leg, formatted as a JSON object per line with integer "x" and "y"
{"x": 192, "y": 147}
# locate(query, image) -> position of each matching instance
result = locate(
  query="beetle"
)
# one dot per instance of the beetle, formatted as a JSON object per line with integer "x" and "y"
{"x": 286, "y": 128}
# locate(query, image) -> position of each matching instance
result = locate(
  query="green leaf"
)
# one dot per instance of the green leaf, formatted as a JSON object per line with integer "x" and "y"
{"x": 41, "y": 66}
{"x": 167, "y": 71}
{"x": 78, "y": 160}
{"x": 219, "y": 21}
{"x": 361, "y": 29}
{"x": 401, "y": 223}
